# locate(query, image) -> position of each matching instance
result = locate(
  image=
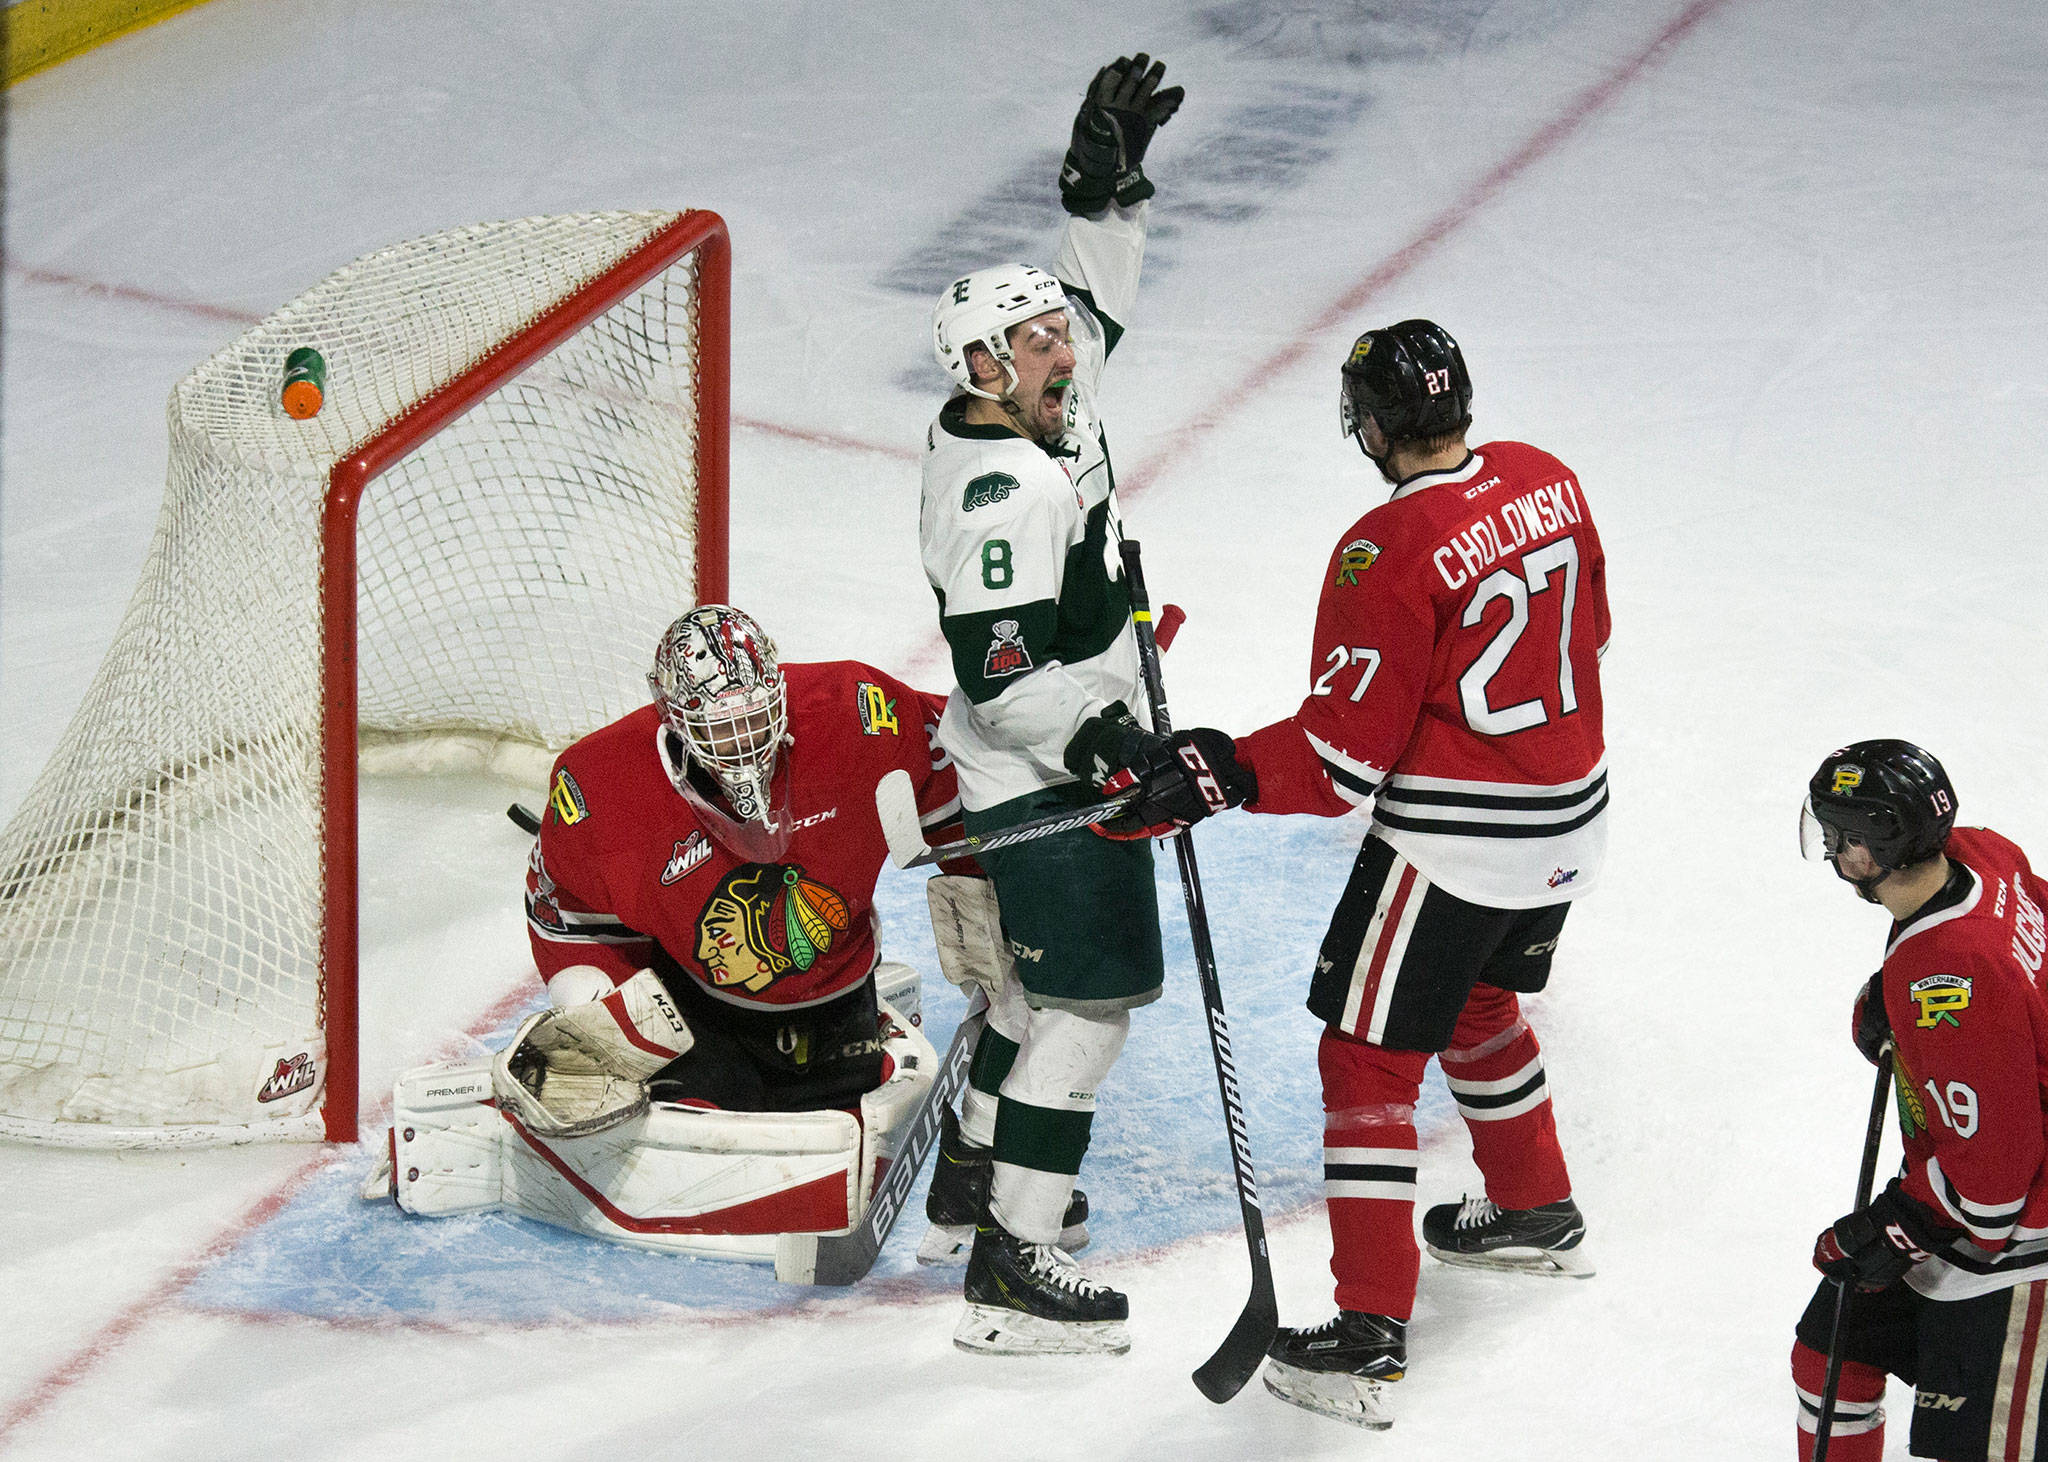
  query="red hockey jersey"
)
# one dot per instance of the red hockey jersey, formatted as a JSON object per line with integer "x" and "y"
{"x": 1970, "y": 1057}
{"x": 1456, "y": 677}
{"x": 623, "y": 863}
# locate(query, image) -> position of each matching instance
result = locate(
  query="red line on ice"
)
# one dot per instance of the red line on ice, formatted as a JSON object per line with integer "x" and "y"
{"x": 1395, "y": 266}
{"x": 118, "y": 1330}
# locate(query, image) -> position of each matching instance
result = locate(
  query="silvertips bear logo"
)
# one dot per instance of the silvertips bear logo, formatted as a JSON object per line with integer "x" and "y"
{"x": 990, "y": 487}
{"x": 293, "y": 1074}
{"x": 1006, "y": 652}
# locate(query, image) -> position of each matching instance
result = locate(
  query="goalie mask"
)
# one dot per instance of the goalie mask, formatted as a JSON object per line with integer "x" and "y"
{"x": 724, "y": 706}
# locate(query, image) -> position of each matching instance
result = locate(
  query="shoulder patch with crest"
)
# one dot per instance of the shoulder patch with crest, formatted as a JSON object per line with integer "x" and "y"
{"x": 1941, "y": 999}
{"x": 1006, "y": 652}
{"x": 1354, "y": 559}
{"x": 877, "y": 711}
{"x": 567, "y": 799}
{"x": 990, "y": 487}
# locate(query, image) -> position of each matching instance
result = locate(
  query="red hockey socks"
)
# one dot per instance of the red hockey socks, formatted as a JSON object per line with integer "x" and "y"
{"x": 1369, "y": 1172}
{"x": 1495, "y": 1071}
{"x": 1858, "y": 1431}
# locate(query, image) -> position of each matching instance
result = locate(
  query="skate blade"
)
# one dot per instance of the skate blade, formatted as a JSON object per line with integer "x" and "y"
{"x": 987, "y": 1330}
{"x": 950, "y": 1243}
{"x": 1545, "y": 1263}
{"x": 1334, "y": 1394}
{"x": 945, "y": 1243}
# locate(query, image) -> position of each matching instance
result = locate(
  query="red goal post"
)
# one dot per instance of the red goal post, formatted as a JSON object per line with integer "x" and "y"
{"x": 519, "y": 475}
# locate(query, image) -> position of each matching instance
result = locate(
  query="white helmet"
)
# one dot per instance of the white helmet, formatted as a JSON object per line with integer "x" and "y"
{"x": 721, "y": 692}
{"x": 981, "y": 308}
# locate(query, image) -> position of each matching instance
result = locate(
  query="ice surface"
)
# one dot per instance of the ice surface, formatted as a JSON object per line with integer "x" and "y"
{"x": 1774, "y": 291}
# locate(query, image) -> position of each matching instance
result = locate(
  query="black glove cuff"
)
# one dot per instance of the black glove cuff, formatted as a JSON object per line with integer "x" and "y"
{"x": 1873, "y": 1027}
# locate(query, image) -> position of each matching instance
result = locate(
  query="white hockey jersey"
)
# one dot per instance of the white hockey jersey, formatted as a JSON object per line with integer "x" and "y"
{"x": 1020, "y": 543}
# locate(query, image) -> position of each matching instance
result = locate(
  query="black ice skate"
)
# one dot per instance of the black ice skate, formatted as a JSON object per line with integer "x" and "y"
{"x": 1548, "y": 1240}
{"x": 1342, "y": 1368}
{"x": 1030, "y": 1299}
{"x": 958, "y": 1200}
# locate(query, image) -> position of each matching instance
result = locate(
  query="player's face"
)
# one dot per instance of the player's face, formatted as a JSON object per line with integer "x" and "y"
{"x": 1853, "y": 861}
{"x": 1042, "y": 354}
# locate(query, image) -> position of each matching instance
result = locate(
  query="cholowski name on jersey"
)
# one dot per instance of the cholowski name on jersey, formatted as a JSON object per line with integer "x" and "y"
{"x": 623, "y": 863}
{"x": 1020, "y": 543}
{"x": 1456, "y": 677}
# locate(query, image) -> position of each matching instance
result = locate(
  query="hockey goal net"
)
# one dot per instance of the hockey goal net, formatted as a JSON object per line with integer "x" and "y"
{"x": 517, "y": 478}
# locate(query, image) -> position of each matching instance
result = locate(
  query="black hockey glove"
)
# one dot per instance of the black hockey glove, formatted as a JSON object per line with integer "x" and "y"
{"x": 1107, "y": 742}
{"x": 1180, "y": 782}
{"x": 1870, "y": 1027}
{"x": 1875, "y": 1246}
{"x": 1121, "y": 110}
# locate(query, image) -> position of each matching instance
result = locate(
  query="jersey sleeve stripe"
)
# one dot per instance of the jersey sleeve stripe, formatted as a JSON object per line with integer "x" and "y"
{"x": 1446, "y": 827}
{"x": 1991, "y": 1224}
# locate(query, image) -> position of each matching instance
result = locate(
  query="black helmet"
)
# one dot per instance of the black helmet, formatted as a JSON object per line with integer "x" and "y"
{"x": 1410, "y": 378}
{"x": 1890, "y": 796}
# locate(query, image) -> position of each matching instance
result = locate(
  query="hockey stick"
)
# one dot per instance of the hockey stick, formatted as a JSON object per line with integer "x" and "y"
{"x": 1223, "y": 1374}
{"x": 844, "y": 1258}
{"x": 1864, "y": 1182}
{"x": 896, "y": 805}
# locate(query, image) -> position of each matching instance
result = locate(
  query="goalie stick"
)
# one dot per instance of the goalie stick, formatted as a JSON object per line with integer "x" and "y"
{"x": 896, "y": 805}
{"x": 841, "y": 1259}
{"x": 1824, "y": 1425}
{"x": 1237, "y": 1359}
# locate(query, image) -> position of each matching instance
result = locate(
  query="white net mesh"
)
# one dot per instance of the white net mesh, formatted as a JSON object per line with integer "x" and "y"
{"x": 160, "y": 887}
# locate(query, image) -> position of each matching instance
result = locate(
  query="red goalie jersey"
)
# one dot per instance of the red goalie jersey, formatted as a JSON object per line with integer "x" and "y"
{"x": 623, "y": 863}
{"x": 1970, "y": 1055}
{"x": 1456, "y": 676}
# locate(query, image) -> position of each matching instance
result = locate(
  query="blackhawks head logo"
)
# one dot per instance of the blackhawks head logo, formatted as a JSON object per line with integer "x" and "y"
{"x": 764, "y": 920}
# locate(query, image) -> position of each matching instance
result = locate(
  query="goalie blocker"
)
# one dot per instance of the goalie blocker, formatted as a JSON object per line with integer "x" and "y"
{"x": 680, "y": 1179}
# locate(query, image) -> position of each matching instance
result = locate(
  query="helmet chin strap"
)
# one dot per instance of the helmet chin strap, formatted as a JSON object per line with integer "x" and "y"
{"x": 1866, "y": 888}
{"x": 1377, "y": 461}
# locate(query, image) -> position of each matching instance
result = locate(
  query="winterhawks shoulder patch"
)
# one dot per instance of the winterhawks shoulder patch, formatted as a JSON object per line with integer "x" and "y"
{"x": 567, "y": 799}
{"x": 1353, "y": 559}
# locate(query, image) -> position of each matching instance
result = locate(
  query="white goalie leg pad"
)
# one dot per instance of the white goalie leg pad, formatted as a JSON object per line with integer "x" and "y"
{"x": 583, "y": 1067}
{"x": 967, "y": 924}
{"x": 901, "y": 988}
{"x": 689, "y": 1181}
{"x": 886, "y": 1112}
{"x": 447, "y": 1141}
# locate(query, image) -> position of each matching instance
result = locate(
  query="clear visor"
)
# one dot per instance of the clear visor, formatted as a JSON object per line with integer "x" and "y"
{"x": 1818, "y": 840}
{"x": 1347, "y": 410}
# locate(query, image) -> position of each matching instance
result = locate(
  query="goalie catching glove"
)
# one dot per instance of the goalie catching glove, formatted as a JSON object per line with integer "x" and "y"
{"x": 1122, "y": 109}
{"x": 584, "y": 1066}
{"x": 1185, "y": 778}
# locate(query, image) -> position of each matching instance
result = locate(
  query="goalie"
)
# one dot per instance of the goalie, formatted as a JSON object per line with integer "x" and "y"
{"x": 716, "y": 1066}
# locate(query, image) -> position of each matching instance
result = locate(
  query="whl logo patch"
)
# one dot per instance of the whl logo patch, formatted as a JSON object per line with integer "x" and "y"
{"x": 293, "y": 1075}
{"x": 690, "y": 853}
{"x": 1006, "y": 652}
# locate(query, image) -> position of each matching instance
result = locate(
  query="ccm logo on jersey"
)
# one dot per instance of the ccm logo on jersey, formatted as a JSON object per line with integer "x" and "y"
{"x": 567, "y": 800}
{"x": 877, "y": 711}
{"x": 691, "y": 852}
{"x": 1940, "y": 997}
